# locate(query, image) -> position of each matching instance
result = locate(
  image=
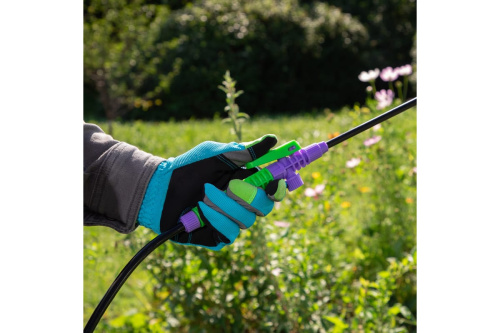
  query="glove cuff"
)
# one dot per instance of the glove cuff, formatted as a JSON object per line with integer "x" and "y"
{"x": 152, "y": 203}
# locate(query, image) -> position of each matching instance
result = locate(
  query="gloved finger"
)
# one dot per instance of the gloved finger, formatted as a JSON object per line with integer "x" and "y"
{"x": 254, "y": 199}
{"x": 276, "y": 190}
{"x": 253, "y": 150}
{"x": 223, "y": 204}
{"x": 220, "y": 222}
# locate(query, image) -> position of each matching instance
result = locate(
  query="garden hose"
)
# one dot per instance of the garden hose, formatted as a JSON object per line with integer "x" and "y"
{"x": 290, "y": 158}
{"x": 125, "y": 273}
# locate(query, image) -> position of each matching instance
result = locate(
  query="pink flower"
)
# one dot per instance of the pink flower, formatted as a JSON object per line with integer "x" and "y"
{"x": 309, "y": 192}
{"x": 276, "y": 271}
{"x": 384, "y": 98}
{"x": 372, "y": 141}
{"x": 369, "y": 76}
{"x": 352, "y": 162}
{"x": 282, "y": 224}
{"x": 404, "y": 70}
{"x": 389, "y": 74}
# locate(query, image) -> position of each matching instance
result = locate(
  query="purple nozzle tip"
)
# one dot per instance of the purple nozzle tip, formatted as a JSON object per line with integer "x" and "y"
{"x": 294, "y": 182}
{"x": 316, "y": 150}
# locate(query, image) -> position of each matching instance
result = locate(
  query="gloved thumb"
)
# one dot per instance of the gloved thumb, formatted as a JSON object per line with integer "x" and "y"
{"x": 253, "y": 150}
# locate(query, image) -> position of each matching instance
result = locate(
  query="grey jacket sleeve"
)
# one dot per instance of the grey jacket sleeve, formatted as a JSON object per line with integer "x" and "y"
{"x": 116, "y": 175}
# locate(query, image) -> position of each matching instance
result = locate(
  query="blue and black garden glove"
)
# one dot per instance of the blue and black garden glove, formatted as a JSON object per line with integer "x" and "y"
{"x": 208, "y": 178}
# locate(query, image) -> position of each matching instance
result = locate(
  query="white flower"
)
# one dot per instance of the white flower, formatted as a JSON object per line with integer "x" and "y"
{"x": 404, "y": 70}
{"x": 282, "y": 224}
{"x": 384, "y": 98}
{"x": 352, "y": 162}
{"x": 389, "y": 74}
{"x": 309, "y": 192}
{"x": 372, "y": 141}
{"x": 369, "y": 76}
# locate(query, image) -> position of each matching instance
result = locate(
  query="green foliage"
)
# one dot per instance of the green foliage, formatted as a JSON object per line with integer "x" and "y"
{"x": 167, "y": 56}
{"x": 235, "y": 117}
{"x": 341, "y": 261}
{"x": 287, "y": 56}
{"x": 121, "y": 55}
{"x": 391, "y": 26}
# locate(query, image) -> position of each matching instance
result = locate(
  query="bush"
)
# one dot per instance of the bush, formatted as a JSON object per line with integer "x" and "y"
{"x": 391, "y": 26}
{"x": 286, "y": 57}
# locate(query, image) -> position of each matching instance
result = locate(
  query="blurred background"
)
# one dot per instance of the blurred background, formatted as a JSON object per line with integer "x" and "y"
{"x": 338, "y": 254}
{"x": 161, "y": 60}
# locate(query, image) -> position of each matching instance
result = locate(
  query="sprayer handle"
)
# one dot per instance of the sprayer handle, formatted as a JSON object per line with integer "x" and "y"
{"x": 284, "y": 168}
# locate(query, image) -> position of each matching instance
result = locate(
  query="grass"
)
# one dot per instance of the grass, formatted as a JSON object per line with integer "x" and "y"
{"x": 346, "y": 261}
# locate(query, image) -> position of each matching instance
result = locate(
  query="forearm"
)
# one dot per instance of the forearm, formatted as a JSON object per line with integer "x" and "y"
{"x": 116, "y": 176}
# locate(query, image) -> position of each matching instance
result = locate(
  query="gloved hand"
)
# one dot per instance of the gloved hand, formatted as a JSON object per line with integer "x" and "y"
{"x": 198, "y": 178}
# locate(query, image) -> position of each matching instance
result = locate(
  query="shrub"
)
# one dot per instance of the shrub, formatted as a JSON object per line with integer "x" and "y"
{"x": 286, "y": 57}
{"x": 391, "y": 26}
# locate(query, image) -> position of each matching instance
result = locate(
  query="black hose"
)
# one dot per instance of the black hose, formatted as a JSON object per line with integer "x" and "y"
{"x": 125, "y": 273}
{"x": 372, "y": 122}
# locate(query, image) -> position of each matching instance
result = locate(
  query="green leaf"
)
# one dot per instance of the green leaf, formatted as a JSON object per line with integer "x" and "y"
{"x": 358, "y": 254}
{"x": 118, "y": 321}
{"x": 243, "y": 115}
{"x": 138, "y": 320}
{"x": 406, "y": 313}
{"x": 394, "y": 310}
{"x": 384, "y": 274}
{"x": 340, "y": 326}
